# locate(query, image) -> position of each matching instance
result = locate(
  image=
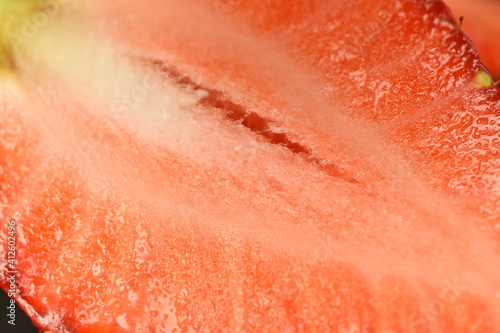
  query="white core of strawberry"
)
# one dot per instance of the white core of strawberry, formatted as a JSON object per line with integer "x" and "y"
{"x": 86, "y": 63}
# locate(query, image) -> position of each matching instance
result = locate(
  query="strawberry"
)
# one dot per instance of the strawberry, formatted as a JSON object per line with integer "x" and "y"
{"x": 250, "y": 166}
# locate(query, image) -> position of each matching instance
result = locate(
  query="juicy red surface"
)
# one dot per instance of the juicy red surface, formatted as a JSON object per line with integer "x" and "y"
{"x": 229, "y": 232}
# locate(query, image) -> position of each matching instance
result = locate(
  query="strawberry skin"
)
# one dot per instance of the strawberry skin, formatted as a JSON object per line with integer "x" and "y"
{"x": 481, "y": 25}
{"x": 261, "y": 166}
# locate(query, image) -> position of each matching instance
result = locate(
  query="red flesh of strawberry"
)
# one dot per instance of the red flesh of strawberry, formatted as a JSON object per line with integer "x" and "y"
{"x": 340, "y": 173}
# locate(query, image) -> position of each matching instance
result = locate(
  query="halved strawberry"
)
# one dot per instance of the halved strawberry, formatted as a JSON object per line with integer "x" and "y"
{"x": 252, "y": 166}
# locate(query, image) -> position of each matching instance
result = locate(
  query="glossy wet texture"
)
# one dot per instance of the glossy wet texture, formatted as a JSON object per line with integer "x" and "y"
{"x": 149, "y": 200}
